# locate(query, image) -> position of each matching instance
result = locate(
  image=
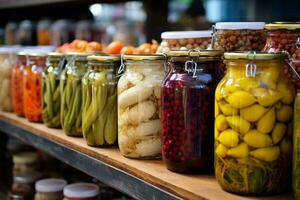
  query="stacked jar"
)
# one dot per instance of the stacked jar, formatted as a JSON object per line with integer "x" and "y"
{"x": 253, "y": 124}
{"x": 139, "y": 106}
{"x": 99, "y": 100}
{"x": 49, "y": 189}
{"x": 184, "y": 40}
{"x": 71, "y": 93}
{"x": 285, "y": 37}
{"x": 187, "y": 110}
{"x": 239, "y": 36}
{"x": 81, "y": 191}
{"x": 51, "y": 92}
{"x": 32, "y": 86}
{"x": 17, "y": 84}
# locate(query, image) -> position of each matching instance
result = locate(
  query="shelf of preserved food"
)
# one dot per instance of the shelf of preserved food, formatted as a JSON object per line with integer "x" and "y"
{"x": 23, "y": 3}
{"x": 141, "y": 179}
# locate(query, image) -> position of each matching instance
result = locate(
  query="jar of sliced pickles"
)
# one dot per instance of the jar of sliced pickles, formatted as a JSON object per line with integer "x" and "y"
{"x": 51, "y": 93}
{"x": 253, "y": 123}
{"x": 99, "y": 100}
{"x": 285, "y": 37}
{"x": 32, "y": 86}
{"x": 187, "y": 110}
{"x": 139, "y": 95}
{"x": 239, "y": 36}
{"x": 17, "y": 84}
{"x": 71, "y": 93}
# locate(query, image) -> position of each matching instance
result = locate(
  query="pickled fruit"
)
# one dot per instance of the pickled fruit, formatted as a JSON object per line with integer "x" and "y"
{"x": 253, "y": 148}
{"x": 266, "y": 123}
{"x": 99, "y": 99}
{"x": 241, "y": 99}
{"x": 296, "y": 149}
{"x": 253, "y": 113}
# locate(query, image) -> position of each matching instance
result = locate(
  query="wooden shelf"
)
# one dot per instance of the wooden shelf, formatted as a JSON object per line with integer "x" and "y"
{"x": 141, "y": 179}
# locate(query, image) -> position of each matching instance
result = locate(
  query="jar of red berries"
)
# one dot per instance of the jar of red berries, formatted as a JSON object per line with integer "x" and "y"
{"x": 187, "y": 110}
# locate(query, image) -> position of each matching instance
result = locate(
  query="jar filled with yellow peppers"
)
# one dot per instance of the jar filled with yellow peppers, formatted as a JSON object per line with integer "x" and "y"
{"x": 99, "y": 100}
{"x": 51, "y": 93}
{"x": 71, "y": 93}
{"x": 253, "y": 124}
{"x": 139, "y": 106}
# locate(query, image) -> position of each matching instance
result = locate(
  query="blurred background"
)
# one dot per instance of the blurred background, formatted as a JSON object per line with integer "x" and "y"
{"x": 54, "y": 22}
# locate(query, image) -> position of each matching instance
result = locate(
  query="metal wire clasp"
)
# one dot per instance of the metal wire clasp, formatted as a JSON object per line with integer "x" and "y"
{"x": 122, "y": 66}
{"x": 292, "y": 61}
{"x": 251, "y": 67}
{"x": 193, "y": 67}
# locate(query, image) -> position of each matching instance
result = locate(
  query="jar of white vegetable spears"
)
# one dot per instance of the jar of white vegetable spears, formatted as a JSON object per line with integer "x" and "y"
{"x": 139, "y": 94}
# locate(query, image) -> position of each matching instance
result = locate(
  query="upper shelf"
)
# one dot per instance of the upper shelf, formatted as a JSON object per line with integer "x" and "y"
{"x": 23, "y": 3}
{"x": 141, "y": 179}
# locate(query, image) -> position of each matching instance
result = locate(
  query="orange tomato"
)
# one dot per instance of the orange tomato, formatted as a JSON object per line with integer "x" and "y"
{"x": 154, "y": 46}
{"x": 114, "y": 47}
{"x": 81, "y": 45}
{"x": 127, "y": 50}
{"x": 144, "y": 48}
{"x": 93, "y": 47}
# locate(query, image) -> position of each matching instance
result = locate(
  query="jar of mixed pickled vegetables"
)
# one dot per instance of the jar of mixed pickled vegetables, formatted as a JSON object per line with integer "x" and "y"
{"x": 32, "y": 86}
{"x": 253, "y": 123}
{"x": 71, "y": 93}
{"x": 99, "y": 100}
{"x": 296, "y": 151}
{"x": 239, "y": 36}
{"x": 139, "y": 96}
{"x": 51, "y": 93}
{"x": 17, "y": 84}
{"x": 187, "y": 110}
{"x": 285, "y": 37}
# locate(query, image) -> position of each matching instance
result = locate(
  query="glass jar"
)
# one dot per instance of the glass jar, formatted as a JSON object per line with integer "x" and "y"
{"x": 43, "y": 32}
{"x": 239, "y": 36}
{"x": 296, "y": 149}
{"x": 139, "y": 106}
{"x": 17, "y": 84}
{"x": 26, "y": 34}
{"x": 49, "y": 189}
{"x": 99, "y": 90}
{"x": 10, "y": 33}
{"x": 24, "y": 163}
{"x": 184, "y": 40}
{"x": 6, "y": 64}
{"x": 71, "y": 93}
{"x": 51, "y": 92}
{"x": 187, "y": 110}
{"x": 81, "y": 191}
{"x": 253, "y": 110}
{"x": 32, "y": 86}
{"x": 284, "y": 37}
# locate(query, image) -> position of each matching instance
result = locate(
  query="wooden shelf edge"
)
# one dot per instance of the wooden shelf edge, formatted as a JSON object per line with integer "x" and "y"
{"x": 138, "y": 178}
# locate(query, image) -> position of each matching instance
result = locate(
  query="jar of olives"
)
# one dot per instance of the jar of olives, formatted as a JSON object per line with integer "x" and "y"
{"x": 253, "y": 123}
{"x": 239, "y": 36}
{"x": 187, "y": 110}
{"x": 285, "y": 37}
{"x": 99, "y": 90}
{"x": 51, "y": 94}
{"x": 71, "y": 93}
{"x": 139, "y": 96}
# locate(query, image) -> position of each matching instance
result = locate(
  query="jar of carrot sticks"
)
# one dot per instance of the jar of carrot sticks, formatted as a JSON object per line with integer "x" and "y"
{"x": 32, "y": 86}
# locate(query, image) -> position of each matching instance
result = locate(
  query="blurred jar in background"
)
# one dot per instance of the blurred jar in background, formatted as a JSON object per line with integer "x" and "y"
{"x": 83, "y": 30}
{"x": 10, "y": 33}
{"x": 26, "y": 34}
{"x": 61, "y": 32}
{"x": 97, "y": 32}
{"x": 43, "y": 32}
{"x": 124, "y": 33}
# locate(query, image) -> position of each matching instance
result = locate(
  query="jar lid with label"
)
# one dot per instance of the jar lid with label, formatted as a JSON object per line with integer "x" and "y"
{"x": 81, "y": 190}
{"x": 240, "y": 25}
{"x": 186, "y": 34}
{"x": 50, "y": 185}
{"x": 25, "y": 158}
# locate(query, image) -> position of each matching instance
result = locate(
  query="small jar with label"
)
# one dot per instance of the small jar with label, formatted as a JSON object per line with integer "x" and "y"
{"x": 49, "y": 189}
{"x": 25, "y": 162}
{"x": 81, "y": 191}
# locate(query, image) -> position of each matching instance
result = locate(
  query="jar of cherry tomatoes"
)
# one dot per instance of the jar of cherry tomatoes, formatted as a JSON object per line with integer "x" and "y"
{"x": 284, "y": 37}
{"x": 187, "y": 110}
{"x": 32, "y": 86}
{"x": 81, "y": 191}
{"x": 17, "y": 84}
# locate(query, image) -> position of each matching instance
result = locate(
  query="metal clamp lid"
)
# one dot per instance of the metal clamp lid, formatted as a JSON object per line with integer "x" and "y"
{"x": 251, "y": 67}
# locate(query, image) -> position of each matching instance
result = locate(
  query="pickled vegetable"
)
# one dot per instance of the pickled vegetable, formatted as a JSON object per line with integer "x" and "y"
{"x": 71, "y": 95}
{"x": 253, "y": 152}
{"x": 51, "y": 92}
{"x": 139, "y": 108}
{"x": 99, "y": 112}
{"x": 296, "y": 148}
